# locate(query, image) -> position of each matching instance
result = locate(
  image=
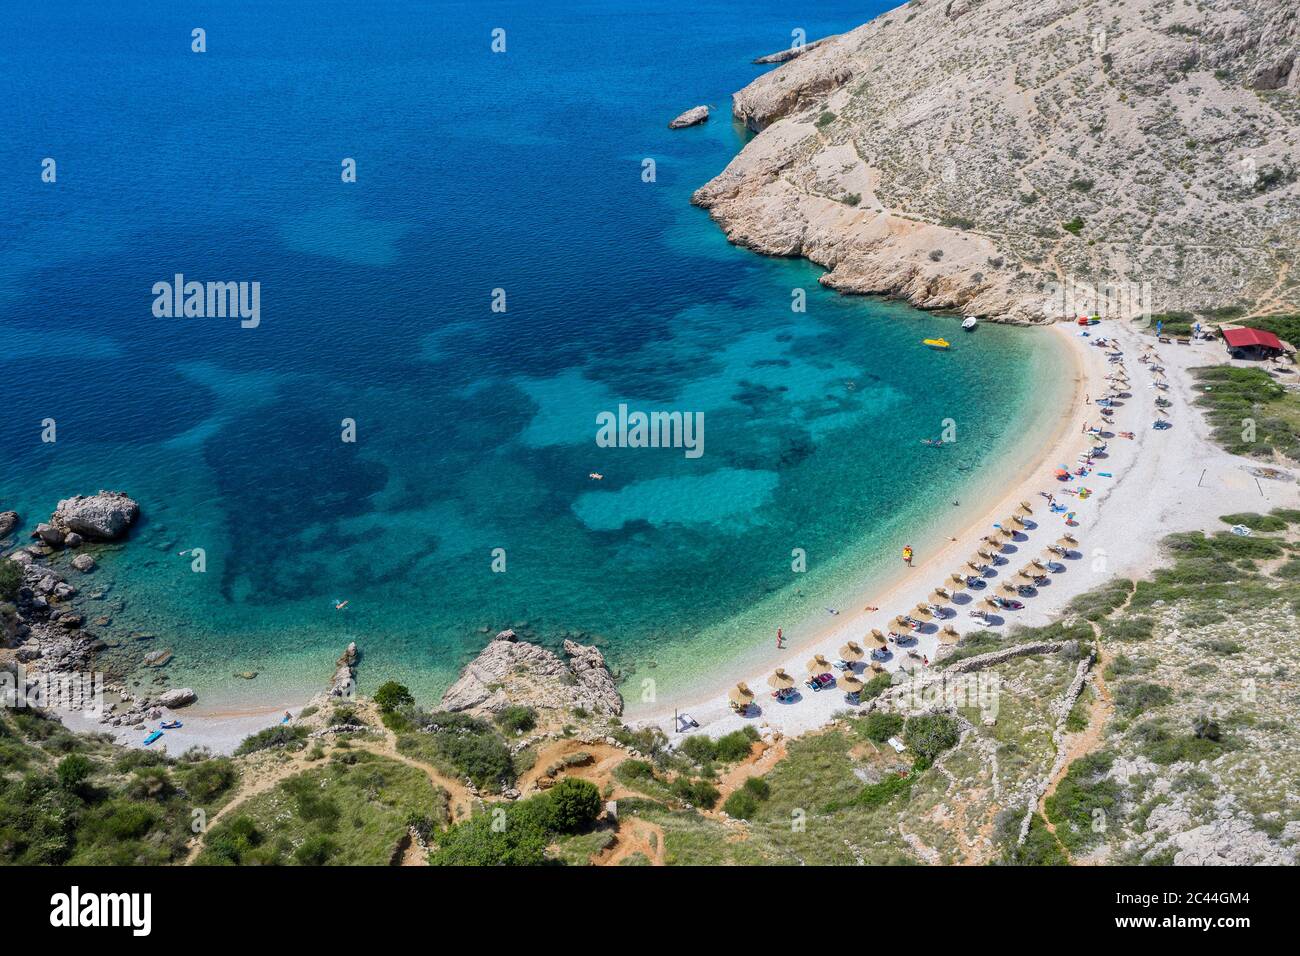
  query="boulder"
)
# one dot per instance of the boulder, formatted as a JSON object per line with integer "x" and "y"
{"x": 180, "y": 697}
{"x": 8, "y": 521}
{"x": 72, "y": 540}
{"x": 50, "y": 535}
{"x": 101, "y": 517}
{"x": 692, "y": 117}
{"x": 84, "y": 563}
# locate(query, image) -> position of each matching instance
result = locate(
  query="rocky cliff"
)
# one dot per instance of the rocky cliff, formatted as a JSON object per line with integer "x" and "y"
{"x": 976, "y": 154}
{"x": 509, "y": 671}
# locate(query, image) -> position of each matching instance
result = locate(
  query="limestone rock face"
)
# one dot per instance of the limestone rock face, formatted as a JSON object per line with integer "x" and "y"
{"x": 691, "y": 117}
{"x": 938, "y": 152}
{"x": 100, "y": 517}
{"x": 509, "y": 671}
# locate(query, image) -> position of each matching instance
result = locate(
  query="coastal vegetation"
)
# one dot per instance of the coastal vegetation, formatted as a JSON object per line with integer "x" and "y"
{"x": 79, "y": 799}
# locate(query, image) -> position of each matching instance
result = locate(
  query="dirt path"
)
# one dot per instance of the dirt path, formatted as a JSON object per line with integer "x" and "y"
{"x": 634, "y": 836}
{"x": 1092, "y": 736}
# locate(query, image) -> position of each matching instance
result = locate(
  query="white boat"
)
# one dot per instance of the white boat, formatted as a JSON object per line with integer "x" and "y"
{"x": 968, "y": 323}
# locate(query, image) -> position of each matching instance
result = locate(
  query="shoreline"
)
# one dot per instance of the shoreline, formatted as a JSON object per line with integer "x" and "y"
{"x": 887, "y": 594}
{"x": 1162, "y": 482}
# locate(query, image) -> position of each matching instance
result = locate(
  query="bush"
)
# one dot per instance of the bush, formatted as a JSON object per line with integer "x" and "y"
{"x": 517, "y": 719}
{"x": 73, "y": 770}
{"x": 1074, "y": 226}
{"x": 210, "y": 779}
{"x": 574, "y": 805}
{"x": 700, "y": 748}
{"x": 315, "y": 851}
{"x": 736, "y": 745}
{"x": 876, "y": 686}
{"x": 880, "y": 726}
{"x": 741, "y": 805}
{"x": 281, "y": 735}
{"x": 11, "y": 579}
{"x": 698, "y": 793}
{"x": 930, "y": 735}
{"x": 1136, "y": 697}
{"x": 392, "y": 695}
{"x": 758, "y": 787}
{"x": 472, "y": 747}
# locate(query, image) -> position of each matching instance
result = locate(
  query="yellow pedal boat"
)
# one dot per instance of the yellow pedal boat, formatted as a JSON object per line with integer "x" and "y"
{"x": 935, "y": 343}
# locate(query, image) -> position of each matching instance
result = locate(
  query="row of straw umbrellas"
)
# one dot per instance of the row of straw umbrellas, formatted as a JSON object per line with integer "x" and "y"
{"x": 902, "y": 626}
{"x": 983, "y": 558}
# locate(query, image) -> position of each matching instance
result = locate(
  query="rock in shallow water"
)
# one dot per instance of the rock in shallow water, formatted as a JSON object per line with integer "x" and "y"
{"x": 692, "y": 117}
{"x": 104, "y": 516}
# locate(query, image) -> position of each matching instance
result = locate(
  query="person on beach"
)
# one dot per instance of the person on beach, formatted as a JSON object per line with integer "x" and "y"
{"x": 871, "y": 607}
{"x": 907, "y": 555}
{"x": 780, "y": 646}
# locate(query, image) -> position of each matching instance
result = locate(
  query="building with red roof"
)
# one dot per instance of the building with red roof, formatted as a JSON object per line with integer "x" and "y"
{"x": 1253, "y": 343}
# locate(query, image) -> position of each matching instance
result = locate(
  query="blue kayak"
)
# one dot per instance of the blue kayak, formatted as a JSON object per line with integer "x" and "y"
{"x": 152, "y": 737}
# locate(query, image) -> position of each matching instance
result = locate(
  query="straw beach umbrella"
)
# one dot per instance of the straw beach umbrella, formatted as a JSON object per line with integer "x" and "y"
{"x": 852, "y": 652}
{"x": 851, "y": 683}
{"x": 1017, "y": 520}
{"x": 940, "y": 596}
{"x": 992, "y": 604}
{"x": 1025, "y": 508}
{"x": 780, "y": 680}
{"x": 1009, "y": 587}
{"x": 949, "y": 635}
{"x": 901, "y": 626}
{"x": 922, "y": 610}
{"x": 741, "y": 695}
{"x": 877, "y": 639}
{"x": 819, "y": 665}
{"x": 957, "y": 581}
{"x": 1067, "y": 540}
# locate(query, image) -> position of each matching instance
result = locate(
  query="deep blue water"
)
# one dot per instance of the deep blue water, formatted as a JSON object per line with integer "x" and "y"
{"x": 476, "y": 429}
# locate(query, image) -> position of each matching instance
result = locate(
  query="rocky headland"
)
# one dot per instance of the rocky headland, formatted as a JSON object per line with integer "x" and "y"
{"x": 976, "y": 154}
{"x": 512, "y": 672}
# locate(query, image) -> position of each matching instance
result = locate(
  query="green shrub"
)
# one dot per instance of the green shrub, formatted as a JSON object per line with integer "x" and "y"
{"x": 281, "y": 735}
{"x": 741, "y": 805}
{"x": 516, "y": 719}
{"x": 315, "y": 851}
{"x": 701, "y": 748}
{"x": 930, "y": 735}
{"x": 392, "y": 695}
{"x": 575, "y": 805}
{"x": 1137, "y": 697}
{"x": 698, "y": 793}
{"x": 73, "y": 771}
{"x": 736, "y": 745}
{"x": 880, "y": 726}
{"x": 11, "y": 579}
{"x": 758, "y": 788}
{"x": 876, "y": 686}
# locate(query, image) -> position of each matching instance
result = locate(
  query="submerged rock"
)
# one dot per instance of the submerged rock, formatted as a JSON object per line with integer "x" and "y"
{"x": 84, "y": 563}
{"x": 8, "y": 521}
{"x": 104, "y": 516}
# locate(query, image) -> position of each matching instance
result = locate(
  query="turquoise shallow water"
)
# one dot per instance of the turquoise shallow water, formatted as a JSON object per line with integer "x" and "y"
{"x": 476, "y": 429}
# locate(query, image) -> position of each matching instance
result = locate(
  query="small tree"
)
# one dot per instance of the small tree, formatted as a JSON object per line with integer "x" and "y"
{"x": 575, "y": 804}
{"x": 73, "y": 770}
{"x": 11, "y": 579}
{"x": 391, "y": 696}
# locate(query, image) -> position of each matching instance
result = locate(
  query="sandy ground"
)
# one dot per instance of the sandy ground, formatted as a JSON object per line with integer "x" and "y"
{"x": 1163, "y": 481}
{"x": 219, "y": 730}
